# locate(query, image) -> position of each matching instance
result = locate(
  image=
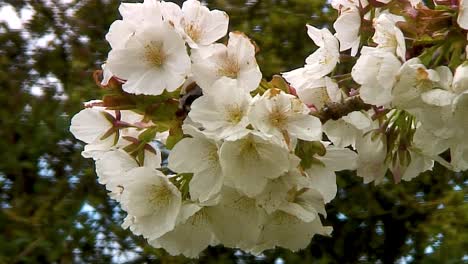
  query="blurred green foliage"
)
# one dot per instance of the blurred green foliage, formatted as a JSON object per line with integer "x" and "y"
{"x": 53, "y": 210}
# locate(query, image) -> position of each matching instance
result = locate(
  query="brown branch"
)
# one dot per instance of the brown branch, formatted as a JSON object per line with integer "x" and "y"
{"x": 27, "y": 250}
{"x": 335, "y": 111}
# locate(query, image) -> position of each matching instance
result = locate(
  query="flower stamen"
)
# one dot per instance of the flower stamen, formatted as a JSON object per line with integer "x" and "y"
{"x": 154, "y": 54}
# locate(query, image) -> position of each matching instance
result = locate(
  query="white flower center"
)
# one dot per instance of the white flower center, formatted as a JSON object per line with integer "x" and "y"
{"x": 193, "y": 31}
{"x": 244, "y": 204}
{"x": 234, "y": 113}
{"x": 249, "y": 150}
{"x": 159, "y": 195}
{"x": 154, "y": 54}
{"x": 213, "y": 155}
{"x": 199, "y": 218}
{"x": 229, "y": 67}
{"x": 278, "y": 118}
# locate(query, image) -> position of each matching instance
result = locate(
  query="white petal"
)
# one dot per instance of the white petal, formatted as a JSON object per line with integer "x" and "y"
{"x": 333, "y": 90}
{"x": 347, "y": 27}
{"x": 373, "y": 95}
{"x": 323, "y": 179}
{"x": 224, "y": 111}
{"x": 428, "y": 143}
{"x": 371, "y": 156}
{"x": 240, "y": 45}
{"x": 300, "y": 212}
{"x": 418, "y": 164}
{"x": 119, "y": 32}
{"x": 249, "y": 162}
{"x": 98, "y": 148}
{"x": 206, "y": 184}
{"x": 284, "y": 230}
{"x": 89, "y": 125}
{"x": 341, "y": 133}
{"x": 112, "y": 167}
{"x": 152, "y": 200}
{"x": 235, "y": 210}
{"x": 446, "y": 77}
{"x": 459, "y": 155}
{"x": 306, "y": 127}
{"x": 143, "y": 76}
{"x": 215, "y": 27}
{"x": 147, "y": 12}
{"x": 462, "y": 18}
{"x": 338, "y": 159}
{"x": 274, "y": 195}
{"x": 438, "y": 97}
{"x": 193, "y": 155}
{"x": 460, "y": 80}
{"x": 359, "y": 120}
{"x": 152, "y": 160}
{"x": 188, "y": 238}
{"x": 316, "y": 35}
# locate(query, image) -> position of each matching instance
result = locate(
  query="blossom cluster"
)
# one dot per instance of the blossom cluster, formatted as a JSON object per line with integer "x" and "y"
{"x": 416, "y": 114}
{"x": 251, "y": 164}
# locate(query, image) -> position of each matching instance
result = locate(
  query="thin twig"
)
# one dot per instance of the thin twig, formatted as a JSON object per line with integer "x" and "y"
{"x": 335, "y": 111}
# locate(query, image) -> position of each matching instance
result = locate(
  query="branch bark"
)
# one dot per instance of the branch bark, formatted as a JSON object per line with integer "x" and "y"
{"x": 335, "y": 111}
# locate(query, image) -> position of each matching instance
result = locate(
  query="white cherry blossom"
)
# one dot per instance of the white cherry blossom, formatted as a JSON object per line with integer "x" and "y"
{"x": 133, "y": 16}
{"x": 223, "y": 113}
{"x": 236, "y": 61}
{"x": 419, "y": 163}
{"x": 111, "y": 169}
{"x": 276, "y": 113}
{"x": 239, "y": 180}
{"x": 372, "y": 151}
{"x": 191, "y": 235}
{"x": 339, "y": 4}
{"x": 388, "y": 36}
{"x": 151, "y": 201}
{"x": 285, "y": 230}
{"x": 196, "y": 23}
{"x": 149, "y": 11}
{"x": 198, "y": 155}
{"x": 112, "y": 166}
{"x": 152, "y": 60}
{"x": 413, "y": 80}
{"x": 346, "y": 130}
{"x": 376, "y": 71}
{"x": 90, "y": 125}
{"x": 276, "y": 194}
{"x": 236, "y": 210}
{"x": 322, "y": 61}
{"x": 317, "y": 92}
{"x": 347, "y": 27}
{"x": 248, "y": 163}
{"x": 95, "y": 126}
{"x": 323, "y": 178}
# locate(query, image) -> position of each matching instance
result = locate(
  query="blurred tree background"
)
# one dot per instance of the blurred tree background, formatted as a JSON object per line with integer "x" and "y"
{"x": 54, "y": 211}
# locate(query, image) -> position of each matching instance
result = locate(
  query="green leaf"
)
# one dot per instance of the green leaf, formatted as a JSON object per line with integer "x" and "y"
{"x": 164, "y": 111}
{"x": 306, "y": 150}
{"x": 175, "y": 135}
{"x": 279, "y": 83}
{"x": 148, "y": 135}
